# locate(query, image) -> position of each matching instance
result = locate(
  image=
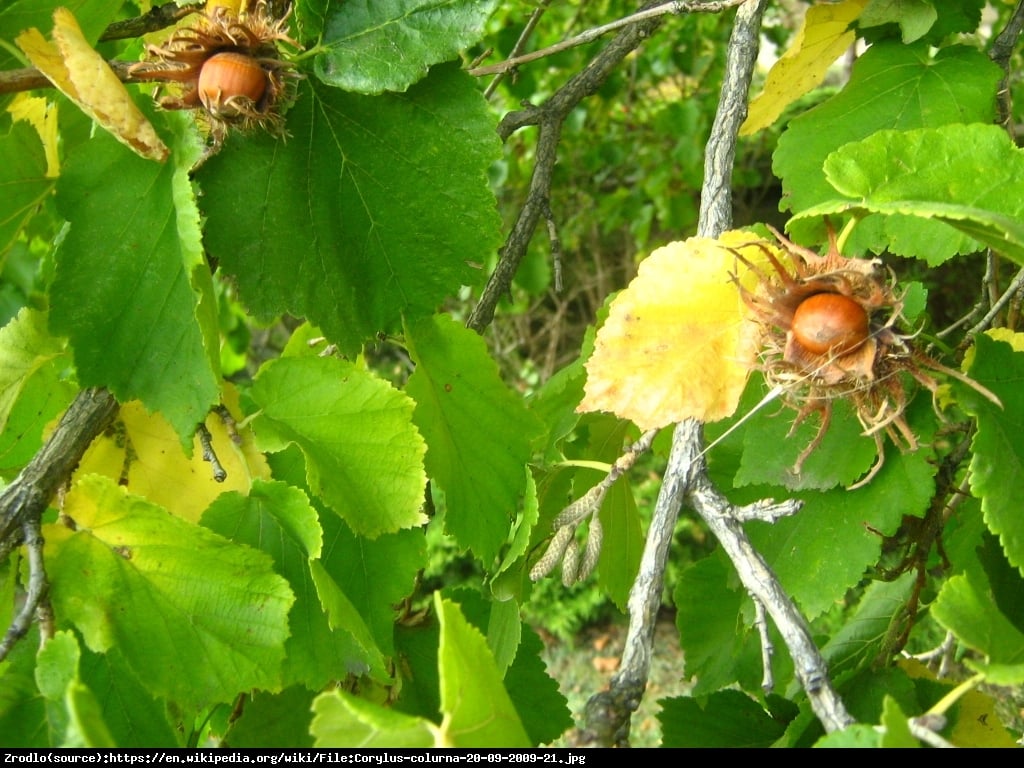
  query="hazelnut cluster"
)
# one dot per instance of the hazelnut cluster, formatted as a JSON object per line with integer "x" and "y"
{"x": 229, "y": 67}
{"x": 830, "y": 329}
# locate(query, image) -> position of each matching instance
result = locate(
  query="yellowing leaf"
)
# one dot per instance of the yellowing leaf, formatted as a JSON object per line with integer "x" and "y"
{"x": 144, "y": 453}
{"x": 41, "y": 115}
{"x": 676, "y": 344}
{"x": 82, "y": 75}
{"x": 824, "y": 37}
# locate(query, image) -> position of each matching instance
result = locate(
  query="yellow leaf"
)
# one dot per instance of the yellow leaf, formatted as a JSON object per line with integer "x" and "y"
{"x": 823, "y": 38}
{"x": 143, "y": 452}
{"x": 41, "y": 115}
{"x": 677, "y": 343}
{"x": 977, "y": 722}
{"x": 82, "y": 75}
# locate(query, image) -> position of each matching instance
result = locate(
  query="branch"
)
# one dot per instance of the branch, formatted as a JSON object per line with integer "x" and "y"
{"x": 158, "y": 17}
{"x": 25, "y": 499}
{"x": 31, "y": 79}
{"x": 1000, "y": 53}
{"x": 590, "y": 35}
{"x": 607, "y": 713}
{"x": 549, "y": 117}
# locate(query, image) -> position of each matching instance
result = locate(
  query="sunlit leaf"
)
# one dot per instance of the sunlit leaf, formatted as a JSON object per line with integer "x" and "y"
{"x": 477, "y": 709}
{"x": 826, "y": 35}
{"x": 82, "y": 75}
{"x": 892, "y": 86}
{"x": 388, "y": 45}
{"x": 364, "y": 457}
{"x": 676, "y": 344}
{"x": 965, "y": 609}
{"x": 25, "y": 348}
{"x": 932, "y": 173}
{"x": 343, "y": 720}
{"x": 207, "y": 604}
{"x": 278, "y": 519}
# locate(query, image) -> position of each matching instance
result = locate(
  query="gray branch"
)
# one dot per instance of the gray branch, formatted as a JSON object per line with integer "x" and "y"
{"x": 607, "y": 714}
{"x": 25, "y": 499}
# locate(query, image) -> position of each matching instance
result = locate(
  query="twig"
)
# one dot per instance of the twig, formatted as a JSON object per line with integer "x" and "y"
{"x": 1000, "y": 53}
{"x": 686, "y": 476}
{"x": 206, "y": 440}
{"x": 549, "y": 118}
{"x": 157, "y": 18}
{"x": 28, "y": 495}
{"x": 590, "y": 35}
{"x": 31, "y": 79}
{"x": 23, "y": 502}
{"x": 767, "y": 648}
{"x": 531, "y": 24}
{"x": 1014, "y": 288}
{"x": 38, "y": 588}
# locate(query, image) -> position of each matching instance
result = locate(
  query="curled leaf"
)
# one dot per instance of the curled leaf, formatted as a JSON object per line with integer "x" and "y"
{"x": 677, "y": 343}
{"x": 81, "y": 74}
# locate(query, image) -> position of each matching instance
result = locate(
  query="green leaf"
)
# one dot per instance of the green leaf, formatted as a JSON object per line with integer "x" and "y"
{"x": 342, "y": 614}
{"x": 123, "y": 290}
{"x": 477, "y": 708}
{"x": 343, "y": 720}
{"x": 931, "y": 173}
{"x": 771, "y": 446}
{"x": 915, "y": 17}
{"x": 542, "y": 708}
{"x": 823, "y": 549}
{"x": 25, "y": 348}
{"x": 855, "y": 736}
{"x": 388, "y": 45}
{"x": 376, "y": 574}
{"x": 23, "y": 710}
{"x": 724, "y": 719}
{"x": 966, "y": 609}
{"x": 135, "y": 718}
{"x": 57, "y": 665}
{"x": 92, "y": 15}
{"x": 23, "y": 180}
{"x": 174, "y": 598}
{"x": 379, "y": 206}
{"x": 44, "y": 396}
{"x": 364, "y": 457}
{"x": 707, "y": 616}
{"x": 86, "y": 727}
{"x": 73, "y": 707}
{"x": 997, "y": 461}
{"x": 274, "y": 720}
{"x": 858, "y": 641}
{"x": 623, "y": 542}
{"x": 277, "y": 519}
{"x": 892, "y": 86}
{"x": 478, "y": 431}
